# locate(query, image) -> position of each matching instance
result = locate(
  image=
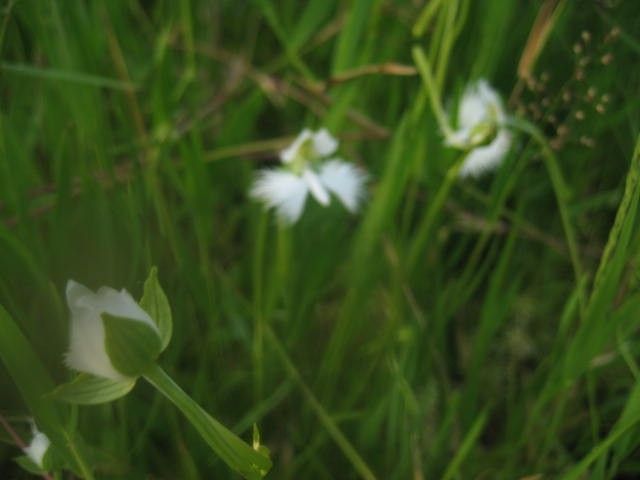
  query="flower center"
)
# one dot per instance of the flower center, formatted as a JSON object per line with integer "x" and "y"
{"x": 305, "y": 156}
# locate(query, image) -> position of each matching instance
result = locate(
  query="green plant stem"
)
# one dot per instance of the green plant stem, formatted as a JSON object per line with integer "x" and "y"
{"x": 85, "y": 470}
{"x": 447, "y": 43}
{"x": 257, "y": 346}
{"x": 562, "y": 193}
{"x": 334, "y": 431}
{"x": 425, "y": 17}
{"x": 424, "y": 67}
{"x": 435, "y": 207}
{"x": 453, "y": 469}
{"x": 231, "y": 448}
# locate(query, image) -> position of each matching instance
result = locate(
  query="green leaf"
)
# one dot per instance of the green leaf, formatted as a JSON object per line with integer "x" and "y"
{"x": 155, "y": 303}
{"x": 132, "y": 345}
{"x": 34, "y": 382}
{"x": 29, "y": 465}
{"x": 87, "y": 389}
{"x": 237, "y": 454}
{"x": 51, "y": 461}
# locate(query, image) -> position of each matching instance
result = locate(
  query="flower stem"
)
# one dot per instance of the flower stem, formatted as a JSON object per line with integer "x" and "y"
{"x": 562, "y": 193}
{"x": 424, "y": 67}
{"x": 238, "y": 455}
{"x": 425, "y": 227}
{"x": 329, "y": 424}
{"x": 257, "y": 347}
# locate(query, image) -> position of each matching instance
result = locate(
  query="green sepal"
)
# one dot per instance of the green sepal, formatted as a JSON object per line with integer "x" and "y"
{"x": 51, "y": 462}
{"x": 132, "y": 345}
{"x": 155, "y": 303}
{"x": 29, "y": 465}
{"x": 88, "y": 389}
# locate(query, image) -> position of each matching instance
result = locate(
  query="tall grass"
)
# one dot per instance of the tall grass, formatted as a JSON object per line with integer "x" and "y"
{"x": 454, "y": 329}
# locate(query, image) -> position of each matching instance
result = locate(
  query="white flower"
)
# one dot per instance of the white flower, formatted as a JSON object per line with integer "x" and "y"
{"x": 87, "y": 349}
{"x": 305, "y": 171}
{"x": 481, "y": 129}
{"x": 38, "y": 447}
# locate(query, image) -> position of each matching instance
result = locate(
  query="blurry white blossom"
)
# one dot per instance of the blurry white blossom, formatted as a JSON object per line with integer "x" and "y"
{"x": 38, "y": 446}
{"x": 480, "y": 129}
{"x": 87, "y": 349}
{"x": 307, "y": 168}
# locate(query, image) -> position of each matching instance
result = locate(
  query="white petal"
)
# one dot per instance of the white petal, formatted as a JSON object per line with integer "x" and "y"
{"x": 488, "y": 94}
{"x": 323, "y": 143}
{"x": 76, "y": 292}
{"x": 479, "y": 103}
{"x": 288, "y": 154}
{"x": 38, "y": 447}
{"x": 119, "y": 304}
{"x": 315, "y": 187}
{"x": 482, "y": 159}
{"x": 86, "y": 348}
{"x": 283, "y": 190}
{"x": 346, "y": 181}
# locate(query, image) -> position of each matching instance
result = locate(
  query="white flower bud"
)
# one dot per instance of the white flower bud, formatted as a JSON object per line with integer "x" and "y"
{"x": 37, "y": 449}
{"x": 88, "y": 350}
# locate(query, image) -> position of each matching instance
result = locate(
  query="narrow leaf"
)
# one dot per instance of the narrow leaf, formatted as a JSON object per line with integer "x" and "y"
{"x": 29, "y": 465}
{"x": 33, "y": 382}
{"x": 87, "y": 389}
{"x": 155, "y": 303}
{"x": 237, "y": 454}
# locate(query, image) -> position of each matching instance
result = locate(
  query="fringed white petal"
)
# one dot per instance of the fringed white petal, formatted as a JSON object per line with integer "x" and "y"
{"x": 346, "y": 181}
{"x": 87, "y": 352}
{"x": 483, "y": 159}
{"x": 324, "y": 144}
{"x": 288, "y": 154}
{"x": 315, "y": 187}
{"x": 37, "y": 449}
{"x": 479, "y": 103}
{"x": 282, "y": 190}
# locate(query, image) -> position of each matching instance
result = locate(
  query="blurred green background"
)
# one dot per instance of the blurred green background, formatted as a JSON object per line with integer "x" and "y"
{"x": 443, "y": 332}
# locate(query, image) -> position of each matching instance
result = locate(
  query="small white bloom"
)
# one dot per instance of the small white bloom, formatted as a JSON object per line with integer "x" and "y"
{"x": 481, "y": 129}
{"x": 307, "y": 170}
{"x": 87, "y": 351}
{"x": 38, "y": 447}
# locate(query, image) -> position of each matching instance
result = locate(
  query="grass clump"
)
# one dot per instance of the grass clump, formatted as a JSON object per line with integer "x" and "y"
{"x": 451, "y": 328}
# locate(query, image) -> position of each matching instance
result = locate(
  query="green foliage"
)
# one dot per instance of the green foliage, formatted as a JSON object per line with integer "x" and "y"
{"x": 251, "y": 464}
{"x": 453, "y": 328}
{"x": 33, "y": 382}
{"x": 155, "y": 303}
{"x": 87, "y": 389}
{"x": 132, "y": 346}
